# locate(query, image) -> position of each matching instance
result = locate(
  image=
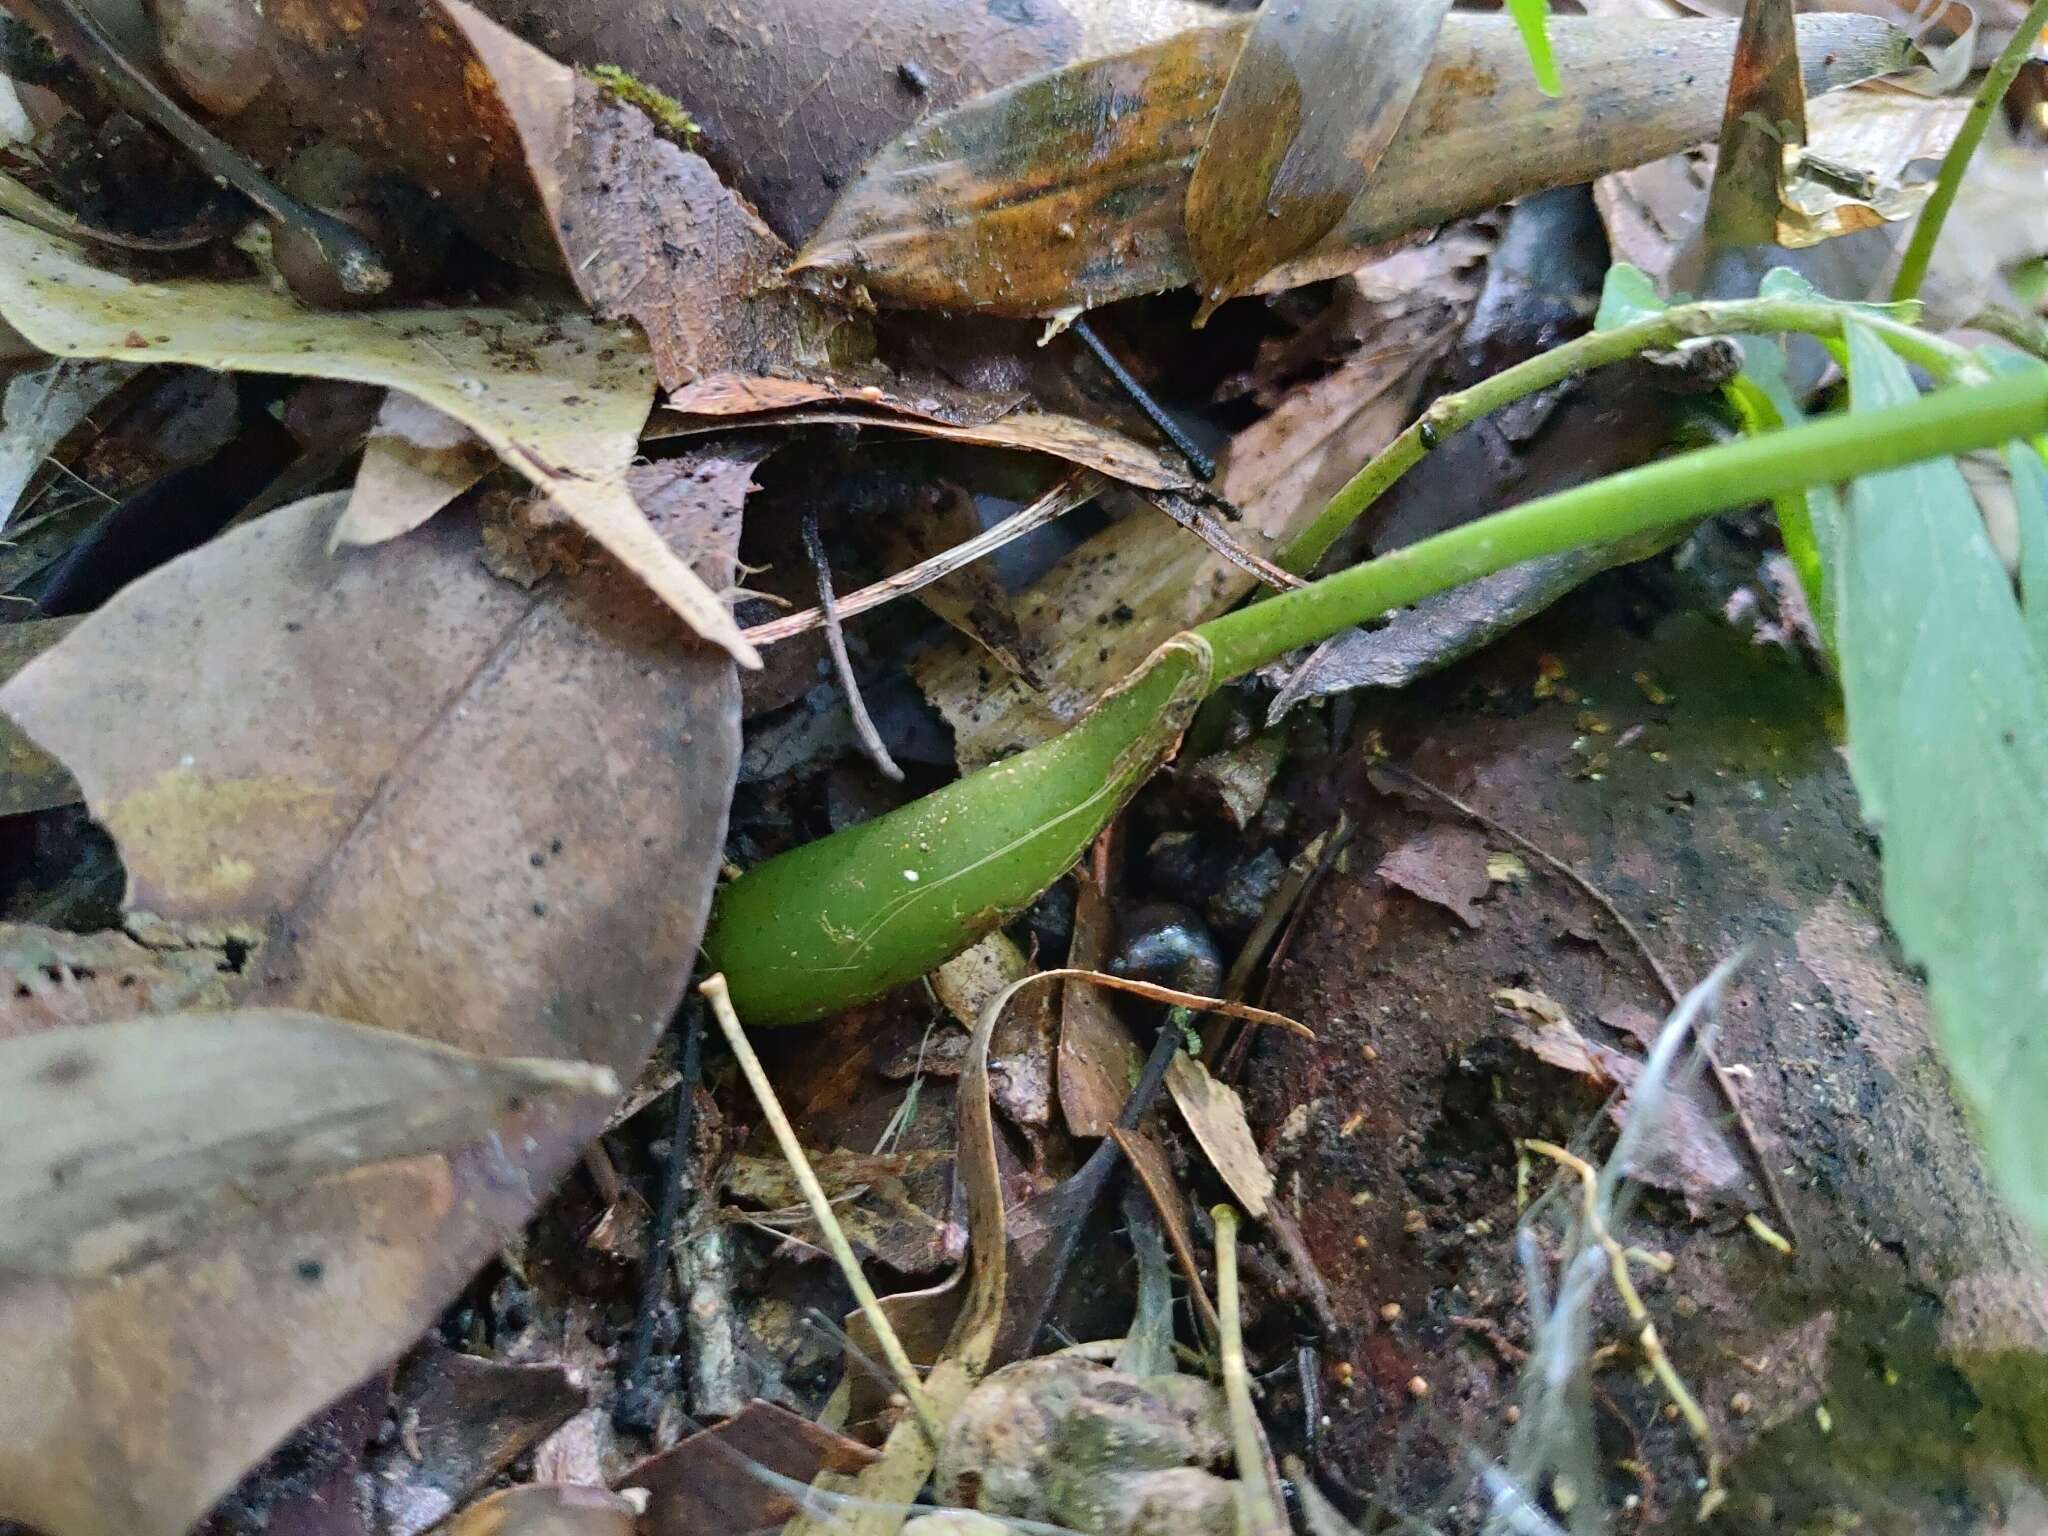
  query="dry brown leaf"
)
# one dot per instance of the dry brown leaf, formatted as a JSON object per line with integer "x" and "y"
{"x": 466, "y": 1420}
{"x": 415, "y": 462}
{"x": 1446, "y": 865}
{"x": 1316, "y": 95}
{"x": 1215, "y": 1114}
{"x": 548, "y": 1509}
{"x": 1098, "y": 1060}
{"x": 706, "y": 1483}
{"x": 1068, "y": 191}
{"x": 1060, "y": 436}
{"x": 1766, "y": 111}
{"x": 147, "y": 1132}
{"x": 794, "y": 101}
{"x": 433, "y": 803}
{"x": 1021, "y": 1050}
{"x": 560, "y": 398}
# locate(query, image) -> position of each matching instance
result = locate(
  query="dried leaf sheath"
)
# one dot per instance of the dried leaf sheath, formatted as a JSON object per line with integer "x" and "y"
{"x": 1068, "y": 190}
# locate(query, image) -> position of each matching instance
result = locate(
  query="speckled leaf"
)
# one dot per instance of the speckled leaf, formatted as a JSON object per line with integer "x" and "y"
{"x": 1948, "y": 744}
{"x": 432, "y": 802}
{"x": 558, "y": 396}
{"x": 1070, "y": 189}
{"x": 1319, "y": 88}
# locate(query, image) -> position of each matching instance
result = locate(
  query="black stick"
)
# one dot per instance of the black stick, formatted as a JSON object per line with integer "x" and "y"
{"x": 1203, "y": 466}
{"x": 661, "y": 1239}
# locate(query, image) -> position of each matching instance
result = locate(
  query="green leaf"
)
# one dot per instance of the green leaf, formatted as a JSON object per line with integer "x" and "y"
{"x": 1627, "y": 296}
{"x": 1764, "y": 402}
{"x": 1948, "y": 745}
{"x": 1532, "y": 17}
{"x": 1786, "y": 283}
{"x": 2030, "y": 497}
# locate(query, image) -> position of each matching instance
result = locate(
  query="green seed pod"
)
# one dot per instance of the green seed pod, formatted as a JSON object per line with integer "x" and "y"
{"x": 851, "y": 915}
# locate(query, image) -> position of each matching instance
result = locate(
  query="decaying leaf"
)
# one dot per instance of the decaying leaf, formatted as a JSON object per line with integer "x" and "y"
{"x": 646, "y": 228}
{"x": 30, "y": 779}
{"x": 148, "y": 1131}
{"x": 1443, "y": 864}
{"x": 707, "y": 1483}
{"x": 1021, "y": 1049}
{"x": 557, "y": 396}
{"x": 415, "y": 462}
{"x": 1318, "y": 90}
{"x": 1215, "y": 1114}
{"x": 1068, "y": 191}
{"x": 1686, "y": 1151}
{"x": 465, "y": 1419}
{"x": 1765, "y": 114}
{"x": 433, "y": 803}
{"x": 794, "y": 102}
{"x": 1098, "y": 1061}
{"x": 49, "y": 977}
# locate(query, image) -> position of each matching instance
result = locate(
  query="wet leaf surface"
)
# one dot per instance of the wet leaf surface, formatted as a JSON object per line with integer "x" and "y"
{"x": 1016, "y": 204}
{"x": 1317, "y": 93}
{"x": 435, "y": 803}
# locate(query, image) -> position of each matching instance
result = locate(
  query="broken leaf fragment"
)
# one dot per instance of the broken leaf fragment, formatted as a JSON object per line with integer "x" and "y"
{"x": 559, "y": 397}
{"x": 148, "y": 1130}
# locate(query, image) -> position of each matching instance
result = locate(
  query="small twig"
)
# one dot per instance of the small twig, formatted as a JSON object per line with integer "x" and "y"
{"x": 674, "y": 1165}
{"x": 1646, "y": 1327}
{"x": 715, "y": 993}
{"x": 1203, "y": 466}
{"x": 75, "y": 31}
{"x": 1258, "y": 1505}
{"x": 2027, "y": 332}
{"x": 1773, "y": 1192}
{"x": 1191, "y": 515}
{"x": 835, "y": 641}
{"x": 1076, "y": 490}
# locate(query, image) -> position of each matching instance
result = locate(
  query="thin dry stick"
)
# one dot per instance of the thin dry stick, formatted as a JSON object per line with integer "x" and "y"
{"x": 1750, "y": 1140}
{"x": 715, "y": 994}
{"x": 1646, "y": 1327}
{"x": 1237, "y": 1382}
{"x": 1076, "y": 490}
{"x": 835, "y": 641}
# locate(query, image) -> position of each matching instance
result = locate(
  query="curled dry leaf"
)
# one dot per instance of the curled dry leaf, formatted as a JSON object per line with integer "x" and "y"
{"x": 148, "y": 1131}
{"x": 433, "y": 803}
{"x": 1215, "y": 1113}
{"x": 559, "y": 397}
{"x": 795, "y": 101}
{"x": 1069, "y": 191}
{"x": 1316, "y": 95}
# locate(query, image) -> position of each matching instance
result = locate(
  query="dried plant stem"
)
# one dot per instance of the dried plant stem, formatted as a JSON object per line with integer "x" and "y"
{"x": 1076, "y": 490}
{"x": 835, "y": 642}
{"x": 1237, "y": 1382}
{"x": 1714, "y": 317}
{"x": 1920, "y": 250}
{"x": 1646, "y": 1329}
{"x": 715, "y": 994}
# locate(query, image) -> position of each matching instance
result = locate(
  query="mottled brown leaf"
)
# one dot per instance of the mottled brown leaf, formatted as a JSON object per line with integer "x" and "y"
{"x": 1446, "y": 865}
{"x": 1319, "y": 88}
{"x": 1766, "y": 113}
{"x": 707, "y": 1482}
{"x": 30, "y": 779}
{"x": 431, "y": 802}
{"x": 1069, "y": 190}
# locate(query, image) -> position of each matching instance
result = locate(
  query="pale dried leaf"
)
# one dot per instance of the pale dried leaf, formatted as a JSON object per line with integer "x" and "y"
{"x": 416, "y": 461}
{"x": 41, "y": 405}
{"x": 548, "y": 1509}
{"x": 559, "y": 397}
{"x": 1215, "y": 1114}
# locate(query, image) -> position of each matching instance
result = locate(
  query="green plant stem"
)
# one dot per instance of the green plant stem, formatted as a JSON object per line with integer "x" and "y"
{"x": 1713, "y": 317}
{"x": 1674, "y": 490}
{"x": 1920, "y": 249}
